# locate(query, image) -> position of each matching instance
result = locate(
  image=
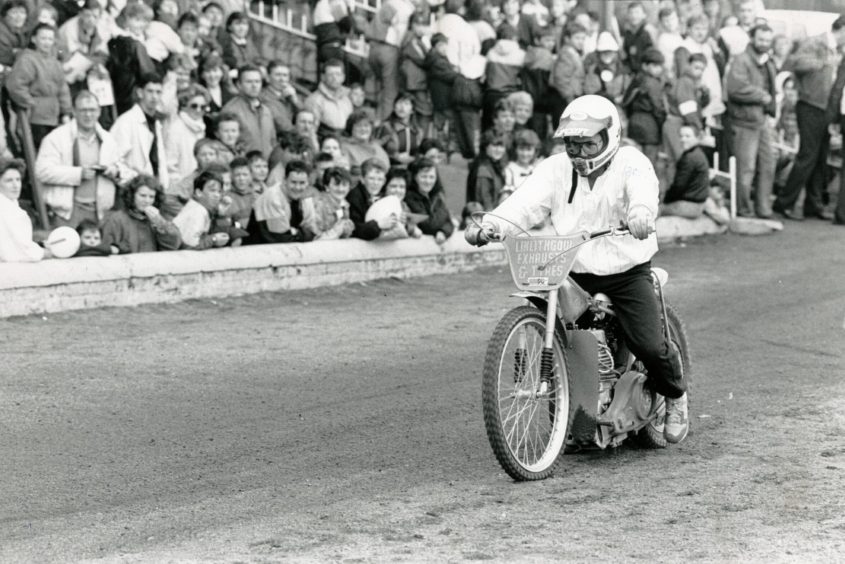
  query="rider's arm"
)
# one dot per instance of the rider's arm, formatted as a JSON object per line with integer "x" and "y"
{"x": 532, "y": 203}
{"x": 642, "y": 190}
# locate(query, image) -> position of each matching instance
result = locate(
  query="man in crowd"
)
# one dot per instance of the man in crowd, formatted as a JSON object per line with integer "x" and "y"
{"x": 138, "y": 132}
{"x": 750, "y": 86}
{"x": 257, "y": 130}
{"x": 280, "y": 96}
{"x": 386, "y": 33}
{"x": 814, "y": 64}
{"x": 284, "y": 213}
{"x": 330, "y": 103}
{"x": 78, "y": 163}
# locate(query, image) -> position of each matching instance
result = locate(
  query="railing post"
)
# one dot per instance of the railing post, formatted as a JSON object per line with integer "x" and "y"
{"x": 30, "y": 153}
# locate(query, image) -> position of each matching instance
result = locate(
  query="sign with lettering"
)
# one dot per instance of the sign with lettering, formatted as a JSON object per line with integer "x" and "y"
{"x": 542, "y": 263}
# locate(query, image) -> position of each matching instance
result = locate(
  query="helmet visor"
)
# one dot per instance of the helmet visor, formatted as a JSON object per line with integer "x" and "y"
{"x": 585, "y": 148}
{"x": 579, "y": 124}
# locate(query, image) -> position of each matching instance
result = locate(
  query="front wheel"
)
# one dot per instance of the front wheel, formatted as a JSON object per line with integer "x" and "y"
{"x": 651, "y": 436}
{"x": 526, "y": 419}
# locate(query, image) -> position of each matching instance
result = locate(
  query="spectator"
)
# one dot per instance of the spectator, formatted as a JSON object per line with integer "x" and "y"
{"x": 139, "y": 133}
{"x": 688, "y": 193}
{"x": 669, "y": 38}
{"x": 412, "y": 74}
{"x": 37, "y": 84}
{"x": 365, "y": 193}
{"x": 425, "y": 196}
{"x": 177, "y": 78}
{"x": 322, "y": 163}
{"x": 214, "y": 14}
{"x": 91, "y": 241}
{"x": 567, "y": 78}
{"x": 504, "y": 63}
{"x": 280, "y": 96}
{"x": 396, "y": 185}
{"x": 259, "y": 170}
{"x": 440, "y": 76}
{"x": 486, "y": 178}
{"x": 750, "y": 87}
{"x": 433, "y": 150}
{"x": 697, "y": 41}
{"x": 686, "y": 99}
{"x": 195, "y": 219}
{"x": 781, "y": 49}
{"x": 292, "y": 147}
{"x": 636, "y": 39}
{"x": 736, "y": 38}
{"x": 257, "y": 130}
{"x": 184, "y": 130}
{"x": 333, "y": 23}
{"x": 16, "y": 243}
{"x": 162, "y": 41}
{"x": 178, "y": 193}
{"x": 358, "y": 97}
{"x": 387, "y": 30}
{"x": 836, "y": 108}
{"x": 305, "y": 123}
{"x": 128, "y": 60}
{"x": 228, "y": 135}
{"x": 82, "y": 44}
{"x": 138, "y": 227}
{"x": 12, "y": 30}
{"x": 538, "y": 12}
{"x": 463, "y": 48}
{"x": 590, "y": 21}
{"x": 330, "y": 103}
{"x": 285, "y": 213}
{"x": 239, "y": 49}
{"x": 193, "y": 45}
{"x": 331, "y": 146}
{"x": 536, "y": 74}
{"x": 359, "y": 145}
{"x": 331, "y": 208}
{"x": 523, "y": 109}
{"x": 504, "y": 122}
{"x": 522, "y": 25}
{"x": 399, "y": 135}
{"x": 814, "y": 64}
{"x": 78, "y": 163}
{"x": 558, "y": 19}
{"x": 243, "y": 193}
{"x": 604, "y": 72}
{"x": 645, "y": 105}
{"x": 712, "y": 10}
{"x": 214, "y": 76}
{"x": 527, "y": 145}
{"x": 475, "y": 16}
{"x": 787, "y": 128}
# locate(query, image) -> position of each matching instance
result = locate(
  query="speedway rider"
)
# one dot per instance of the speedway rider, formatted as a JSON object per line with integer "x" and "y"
{"x": 596, "y": 184}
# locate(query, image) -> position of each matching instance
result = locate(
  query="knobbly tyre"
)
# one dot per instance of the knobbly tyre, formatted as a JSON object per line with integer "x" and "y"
{"x": 557, "y": 374}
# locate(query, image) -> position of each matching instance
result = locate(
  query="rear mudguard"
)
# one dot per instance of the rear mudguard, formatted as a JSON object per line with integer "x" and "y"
{"x": 581, "y": 349}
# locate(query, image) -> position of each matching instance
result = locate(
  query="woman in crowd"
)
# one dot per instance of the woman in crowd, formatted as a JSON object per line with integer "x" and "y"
{"x": 139, "y": 227}
{"x": 399, "y": 134}
{"x": 396, "y": 185}
{"x": 486, "y": 178}
{"x": 239, "y": 48}
{"x": 426, "y": 196}
{"x": 12, "y": 30}
{"x": 331, "y": 207}
{"x": 183, "y": 132}
{"x": 16, "y": 243}
{"x": 214, "y": 76}
{"x": 331, "y": 145}
{"x": 359, "y": 144}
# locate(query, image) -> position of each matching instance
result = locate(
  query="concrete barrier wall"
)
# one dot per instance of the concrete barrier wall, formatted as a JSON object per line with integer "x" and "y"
{"x": 59, "y": 285}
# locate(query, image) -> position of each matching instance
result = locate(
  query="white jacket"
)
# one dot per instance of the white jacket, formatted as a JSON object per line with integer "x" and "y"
{"x": 628, "y": 183}
{"x": 55, "y": 170}
{"x": 134, "y": 140}
{"x": 16, "y": 243}
{"x": 180, "y": 136}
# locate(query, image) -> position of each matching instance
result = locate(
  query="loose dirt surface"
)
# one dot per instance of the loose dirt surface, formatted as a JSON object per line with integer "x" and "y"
{"x": 344, "y": 424}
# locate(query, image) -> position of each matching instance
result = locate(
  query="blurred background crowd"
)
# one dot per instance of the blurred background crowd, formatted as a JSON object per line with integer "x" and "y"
{"x": 149, "y": 126}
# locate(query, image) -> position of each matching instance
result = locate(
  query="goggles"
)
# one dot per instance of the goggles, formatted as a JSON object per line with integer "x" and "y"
{"x": 585, "y": 149}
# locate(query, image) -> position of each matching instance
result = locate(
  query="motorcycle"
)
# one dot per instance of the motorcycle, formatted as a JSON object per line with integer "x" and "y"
{"x": 558, "y": 376}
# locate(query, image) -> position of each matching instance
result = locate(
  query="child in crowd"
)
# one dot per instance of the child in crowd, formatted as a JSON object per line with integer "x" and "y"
{"x": 690, "y": 188}
{"x": 364, "y": 195}
{"x": 357, "y": 96}
{"x": 536, "y": 73}
{"x": 195, "y": 220}
{"x": 523, "y": 109}
{"x": 238, "y": 46}
{"x": 504, "y": 122}
{"x": 440, "y": 75}
{"x": 504, "y": 63}
{"x": 330, "y": 206}
{"x": 259, "y": 170}
{"x": 486, "y": 178}
{"x": 644, "y": 104}
{"x": 228, "y": 134}
{"x": 396, "y": 185}
{"x": 412, "y": 77}
{"x": 787, "y": 130}
{"x": 242, "y": 193}
{"x": 138, "y": 226}
{"x": 91, "y": 241}
{"x": 526, "y": 144}
{"x": 425, "y": 196}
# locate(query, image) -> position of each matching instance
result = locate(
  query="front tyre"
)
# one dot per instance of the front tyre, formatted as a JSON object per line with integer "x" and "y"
{"x": 651, "y": 436}
{"x": 526, "y": 422}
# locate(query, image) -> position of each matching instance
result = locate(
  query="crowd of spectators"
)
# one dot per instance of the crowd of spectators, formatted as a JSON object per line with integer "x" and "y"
{"x": 161, "y": 126}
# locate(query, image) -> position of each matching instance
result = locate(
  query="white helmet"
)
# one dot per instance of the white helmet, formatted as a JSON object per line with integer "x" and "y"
{"x": 585, "y": 117}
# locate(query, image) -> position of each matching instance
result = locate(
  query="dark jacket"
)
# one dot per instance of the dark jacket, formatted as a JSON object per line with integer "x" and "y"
{"x": 692, "y": 178}
{"x": 634, "y": 44}
{"x": 433, "y": 205}
{"x": 396, "y": 137}
{"x": 128, "y": 61}
{"x": 132, "y": 232}
{"x": 686, "y": 99}
{"x": 814, "y": 65}
{"x": 646, "y": 109}
{"x": 535, "y": 76}
{"x": 359, "y": 202}
{"x": 412, "y": 75}
{"x": 748, "y": 83}
{"x": 11, "y": 43}
{"x": 485, "y": 182}
{"x": 235, "y": 55}
{"x": 441, "y": 75}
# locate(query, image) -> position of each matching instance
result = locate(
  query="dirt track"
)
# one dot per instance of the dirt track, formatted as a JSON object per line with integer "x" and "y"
{"x": 344, "y": 424}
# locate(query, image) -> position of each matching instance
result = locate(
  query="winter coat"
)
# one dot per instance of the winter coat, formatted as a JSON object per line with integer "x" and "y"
{"x": 359, "y": 202}
{"x": 279, "y": 109}
{"x": 16, "y": 244}
{"x": 646, "y": 109}
{"x": 37, "y": 83}
{"x": 356, "y": 152}
{"x": 258, "y": 132}
{"x": 11, "y": 43}
{"x": 69, "y": 42}
{"x": 330, "y": 109}
{"x": 236, "y": 55}
{"x": 128, "y": 61}
{"x": 441, "y": 76}
{"x": 692, "y": 178}
{"x": 504, "y": 62}
{"x": 433, "y": 205}
{"x": 132, "y": 231}
{"x": 634, "y": 45}
{"x": 814, "y": 66}
{"x": 134, "y": 141}
{"x": 604, "y": 80}
{"x": 711, "y": 78}
{"x": 535, "y": 75}
{"x": 412, "y": 74}
{"x": 180, "y": 136}
{"x": 60, "y": 177}
{"x": 397, "y": 137}
{"x": 273, "y": 219}
{"x": 747, "y": 84}
{"x": 687, "y": 99}
{"x": 568, "y": 73}
{"x": 485, "y": 182}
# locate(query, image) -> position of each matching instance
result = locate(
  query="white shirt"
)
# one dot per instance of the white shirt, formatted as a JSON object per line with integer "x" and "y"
{"x": 628, "y": 183}
{"x": 193, "y": 222}
{"x": 16, "y": 243}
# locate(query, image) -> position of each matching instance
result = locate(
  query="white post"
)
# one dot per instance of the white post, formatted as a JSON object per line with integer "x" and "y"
{"x": 261, "y": 9}
{"x": 275, "y": 12}
{"x": 304, "y": 23}
{"x": 732, "y": 172}
{"x": 289, "y": 18}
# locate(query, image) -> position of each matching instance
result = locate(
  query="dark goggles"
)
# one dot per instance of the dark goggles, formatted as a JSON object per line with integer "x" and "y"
{"x": 584, "y": 149}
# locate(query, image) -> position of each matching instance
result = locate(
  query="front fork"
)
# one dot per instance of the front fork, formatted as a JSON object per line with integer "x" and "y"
{"x": 548, "y": 358}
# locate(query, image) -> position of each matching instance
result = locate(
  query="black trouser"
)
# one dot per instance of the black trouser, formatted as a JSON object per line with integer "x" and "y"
{"x": 810, "y": 162}
{"x": 839, "y": 214}
{"x": 638, "y": 311}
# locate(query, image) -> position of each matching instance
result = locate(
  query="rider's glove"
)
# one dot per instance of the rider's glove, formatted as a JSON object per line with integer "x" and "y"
{"x": 478, "y": 235}
{"x": 640, "y": 222}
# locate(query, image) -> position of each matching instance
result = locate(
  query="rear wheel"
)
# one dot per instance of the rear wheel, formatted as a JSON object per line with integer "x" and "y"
{"x": 526, "y": 419}
{"x": 651, "y": 436}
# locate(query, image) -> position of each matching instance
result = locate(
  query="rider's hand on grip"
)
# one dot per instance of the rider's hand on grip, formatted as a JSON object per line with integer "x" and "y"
{"x": 640, "y": 222}
{"x": 480, "y": 235}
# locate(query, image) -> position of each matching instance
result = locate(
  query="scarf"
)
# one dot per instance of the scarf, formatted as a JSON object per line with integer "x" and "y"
{"x": 195, "y": 126}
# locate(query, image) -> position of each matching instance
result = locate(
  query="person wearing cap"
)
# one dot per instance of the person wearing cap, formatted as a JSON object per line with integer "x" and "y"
{"x": 604, "y": 71}
{"x": 596, "y": 184}
{"x": 644, "y": 103}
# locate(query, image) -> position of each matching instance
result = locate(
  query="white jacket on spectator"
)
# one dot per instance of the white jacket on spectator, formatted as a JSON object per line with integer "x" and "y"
{"x": 162, "y": 41}
{"x": 134, "y": 140}
{"x": 464, "y": 46}
{"x": 180, "y": 136}
{"x": 55, "y": 169}
{"x": 16, "y": 243}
